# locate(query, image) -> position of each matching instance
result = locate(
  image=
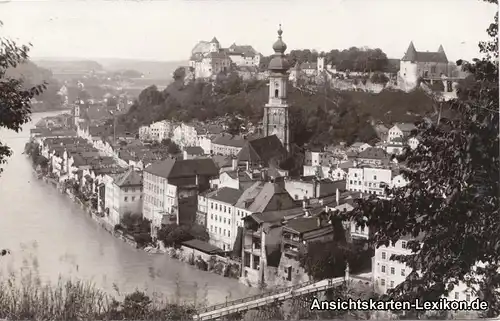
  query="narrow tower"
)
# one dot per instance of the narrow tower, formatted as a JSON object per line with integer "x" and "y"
{"x": 276, "y": 120}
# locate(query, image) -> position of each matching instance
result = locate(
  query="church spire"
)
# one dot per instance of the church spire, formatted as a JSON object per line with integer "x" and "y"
{"x": 279, "y": 63}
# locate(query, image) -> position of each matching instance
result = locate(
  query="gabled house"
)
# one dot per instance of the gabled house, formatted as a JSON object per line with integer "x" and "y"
{"x": 262, "y": 152}
{"x": 170, "y": 183}
{"x": 123, "y": 195}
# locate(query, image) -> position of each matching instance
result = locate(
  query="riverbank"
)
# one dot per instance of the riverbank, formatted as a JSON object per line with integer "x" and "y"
{"x": 216, "y": 264}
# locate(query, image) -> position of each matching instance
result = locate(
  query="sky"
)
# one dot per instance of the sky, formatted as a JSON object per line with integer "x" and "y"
{"x": 167, "y": 30}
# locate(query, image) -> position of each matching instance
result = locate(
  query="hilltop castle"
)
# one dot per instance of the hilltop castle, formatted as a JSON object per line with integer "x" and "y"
{"x": 208, "y": 58}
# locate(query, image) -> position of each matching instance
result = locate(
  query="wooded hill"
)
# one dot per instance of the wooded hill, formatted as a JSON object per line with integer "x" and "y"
{"x": 324, "y": 117}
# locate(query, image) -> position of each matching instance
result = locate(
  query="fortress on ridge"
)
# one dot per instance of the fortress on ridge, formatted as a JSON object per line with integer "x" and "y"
{"x": 209, "y": 59}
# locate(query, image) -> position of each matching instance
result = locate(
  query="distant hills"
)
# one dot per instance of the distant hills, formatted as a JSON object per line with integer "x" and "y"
{"x": 150, "y": 69}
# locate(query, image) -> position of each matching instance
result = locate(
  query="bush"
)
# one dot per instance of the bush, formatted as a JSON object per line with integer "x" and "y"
{"x": 379, "y": 78}
{"x": 174, "y": 235}
{"x": 25, "y": 298}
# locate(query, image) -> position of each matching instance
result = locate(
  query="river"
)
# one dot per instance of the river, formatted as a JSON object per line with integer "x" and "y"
{"x": 47, "y": 232}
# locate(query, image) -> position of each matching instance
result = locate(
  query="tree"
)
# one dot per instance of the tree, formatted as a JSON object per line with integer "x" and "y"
{"x": 179, "y": 73}
{"x": 173, "y": 148}
{"x": 451, "y": 203}
{"x": 15, "y": 102}
{"x": 234, "y": 125}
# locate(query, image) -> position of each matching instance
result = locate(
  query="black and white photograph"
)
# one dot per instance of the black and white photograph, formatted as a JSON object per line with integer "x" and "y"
{"x": 247, "y": 160}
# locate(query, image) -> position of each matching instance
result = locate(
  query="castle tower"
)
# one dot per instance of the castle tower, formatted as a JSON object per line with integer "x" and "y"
{"x": 214, "y": 45}
{"x": 276, "y": 121}
{"x": 321, "y": 63}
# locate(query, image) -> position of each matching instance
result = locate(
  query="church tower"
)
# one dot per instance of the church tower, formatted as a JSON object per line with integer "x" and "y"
{"x": 276, "y": 121}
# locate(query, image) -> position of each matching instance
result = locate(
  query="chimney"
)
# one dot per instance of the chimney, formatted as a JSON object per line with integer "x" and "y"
{"x": 248, "y": 165}
{"x": 196, "y": 180}
{"x": 318, "y": 220}
{"x": 304, "y": 203}
{"x": 184, "y": 155}
{"x": 321, "y": 202}
{"x": 337, "y": 196}
{"x": 234, "y": 163}
{"x": 346, "y": 276}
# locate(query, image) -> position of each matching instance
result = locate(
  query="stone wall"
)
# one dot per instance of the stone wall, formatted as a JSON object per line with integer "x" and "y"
{"x": 205, "y": 262}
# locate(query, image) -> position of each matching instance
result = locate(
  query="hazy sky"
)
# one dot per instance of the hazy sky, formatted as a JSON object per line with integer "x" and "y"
{"x": 169, "y": 29}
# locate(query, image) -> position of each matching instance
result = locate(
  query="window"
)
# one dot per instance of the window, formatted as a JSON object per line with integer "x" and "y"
{"x": 224, "y": 208}
{"x": 229, "y": 210}
{"x": 125, "y": 198}
{"x": 374, "y": 177}
{"x": 403, "y": 272}
{"x": 224, "y": 220}
{"x": 125, "y": 190}
{"x": 229, "y": 233}
{"x": 403, "y": 245}
{"x": 215, "y": 217}
{"x": 392, "y": 284}
{"x": 211, "y": 228}
{"x": 393, "y": 270}
{"x": 220, "y": 230}
{"x": 276, "y": 93}
{"x": 467, "y": 297}
{"x": 229, "y": 221}
{"x": 383, "y": 256}
{"x": 216, "y": 206}
{"x": 457, "y": 295}
{"x": 133, "y": 198}
{"x": 433, "y": 69}
{"x": 382, "y": 282}
{"x": 224, "y": 232}
{"x": 211, "y": 205}
{"x": 382, "y": 269}
{"x": 212, "y": 216}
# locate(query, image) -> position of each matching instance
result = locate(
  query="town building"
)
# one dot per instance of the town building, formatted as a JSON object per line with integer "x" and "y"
{"x": 401, "y": 130}
{"x": 298, "y": 234}
{"x": 369, "y": 180}
{"x": 169, "y": 183}
{"x": 387, "y": 273}
{"x": 306, "y": 187}
{"x": 123, "y": 195}
{"x": 226, "y": 144}
{"x": 228, "y": 206}
{"x": 373, "y": 156}
{"x": 192, "y": 152}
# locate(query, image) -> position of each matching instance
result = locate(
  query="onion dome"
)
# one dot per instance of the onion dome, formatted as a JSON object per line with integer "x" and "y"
{"x": 279, "y": 63}
{"x": 279, "y": 46}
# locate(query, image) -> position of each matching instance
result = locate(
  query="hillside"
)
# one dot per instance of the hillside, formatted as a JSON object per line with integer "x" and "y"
{"x": 315, "y": 118}
{"x": 150, "y": 69}
{"x": 33, "y": 75}
{"x": 75, "y": 66}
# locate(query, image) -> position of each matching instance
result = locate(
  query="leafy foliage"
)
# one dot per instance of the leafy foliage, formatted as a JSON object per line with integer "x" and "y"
{"x": 172, "y": 147}
{"x": 353, "y": 59}
{"x": 174, "y": 235}
{"x": 14, "y": 99}
{"x": 324, "y": 116}
{"x": 452, "y": 200}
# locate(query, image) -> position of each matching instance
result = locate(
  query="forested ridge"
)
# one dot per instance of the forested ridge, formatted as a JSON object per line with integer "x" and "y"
{"x": 323, "y": 117}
